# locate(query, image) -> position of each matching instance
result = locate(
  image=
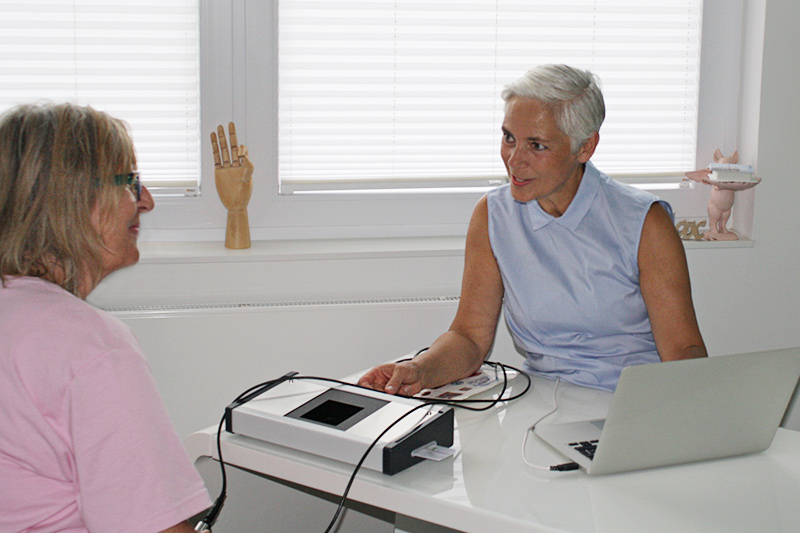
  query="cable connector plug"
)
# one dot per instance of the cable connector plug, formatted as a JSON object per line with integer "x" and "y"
{"x": 564, "y": 467}
{"x": 212, "y": 514}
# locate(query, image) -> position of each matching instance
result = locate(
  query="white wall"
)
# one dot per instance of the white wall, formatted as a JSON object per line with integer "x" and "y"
{"x": 203, "y": 360}
{"x": 748, "y": 298}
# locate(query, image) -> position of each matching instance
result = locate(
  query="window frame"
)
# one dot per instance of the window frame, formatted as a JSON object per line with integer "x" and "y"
{"x": 243, "y": 87}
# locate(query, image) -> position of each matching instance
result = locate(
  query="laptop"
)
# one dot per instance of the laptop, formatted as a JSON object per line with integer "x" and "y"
{"x": 683, "y": 411}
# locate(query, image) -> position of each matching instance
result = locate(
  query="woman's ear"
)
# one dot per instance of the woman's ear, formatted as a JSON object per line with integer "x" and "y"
{"x": 588, "y": 147}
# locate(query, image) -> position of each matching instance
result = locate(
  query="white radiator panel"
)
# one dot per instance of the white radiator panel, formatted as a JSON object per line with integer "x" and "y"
{"x": 203, "y": 356}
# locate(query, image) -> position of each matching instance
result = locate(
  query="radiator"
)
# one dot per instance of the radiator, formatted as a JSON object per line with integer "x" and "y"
{"x": 144, "y": 311}
{"x": 204, "y": 355}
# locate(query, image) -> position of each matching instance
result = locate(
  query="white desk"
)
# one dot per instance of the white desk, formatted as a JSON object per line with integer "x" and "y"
{"x": 488, "y": 488}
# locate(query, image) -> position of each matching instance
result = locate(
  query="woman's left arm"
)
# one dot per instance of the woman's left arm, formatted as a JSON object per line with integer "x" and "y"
{"x": 667, "y": 293}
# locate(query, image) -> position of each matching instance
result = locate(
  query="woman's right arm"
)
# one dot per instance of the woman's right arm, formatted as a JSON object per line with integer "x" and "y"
{"x": 460, "y": 351}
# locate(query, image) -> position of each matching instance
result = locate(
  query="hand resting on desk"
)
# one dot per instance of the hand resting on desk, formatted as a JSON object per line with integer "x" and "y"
{"x": 393, "y": 378}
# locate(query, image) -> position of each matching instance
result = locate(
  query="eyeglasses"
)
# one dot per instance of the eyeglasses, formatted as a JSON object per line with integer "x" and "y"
{"x": 132, "y": 181}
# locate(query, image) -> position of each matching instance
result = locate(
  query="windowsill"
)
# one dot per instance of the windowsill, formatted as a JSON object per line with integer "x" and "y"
{"x": 715, "y": 245}
{"x": 301, "y": 250}
{"x": 320, "y": 249}
{"x": 205, "y": 272}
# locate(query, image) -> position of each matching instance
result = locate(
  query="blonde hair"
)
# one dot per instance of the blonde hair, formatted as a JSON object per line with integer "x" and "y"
{"x": 57, "y": 164}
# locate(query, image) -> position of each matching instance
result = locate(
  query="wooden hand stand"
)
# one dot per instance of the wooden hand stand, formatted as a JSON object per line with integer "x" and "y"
{"x": 233, "y": 177}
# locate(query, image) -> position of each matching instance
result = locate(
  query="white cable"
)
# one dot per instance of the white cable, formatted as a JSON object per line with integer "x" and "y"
{"x": 528, "y": 431}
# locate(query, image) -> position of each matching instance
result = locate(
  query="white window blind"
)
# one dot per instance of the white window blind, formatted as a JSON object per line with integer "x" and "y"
{"x": 397, "y": 94}
{"x": 136, "y": 60}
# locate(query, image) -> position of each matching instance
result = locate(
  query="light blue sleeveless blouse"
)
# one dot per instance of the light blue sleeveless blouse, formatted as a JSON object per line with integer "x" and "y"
{"x": 572, "y": 298}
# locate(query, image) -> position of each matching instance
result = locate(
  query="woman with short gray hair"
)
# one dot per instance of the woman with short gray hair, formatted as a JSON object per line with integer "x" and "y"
{"x": 590, "y": 273}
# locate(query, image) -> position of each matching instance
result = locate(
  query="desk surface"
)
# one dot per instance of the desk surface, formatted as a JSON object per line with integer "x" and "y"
{"x": 487, "y": 487}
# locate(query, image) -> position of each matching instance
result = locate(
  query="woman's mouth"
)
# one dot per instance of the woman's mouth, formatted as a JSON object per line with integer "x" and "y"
{"x": 516, "y": 180}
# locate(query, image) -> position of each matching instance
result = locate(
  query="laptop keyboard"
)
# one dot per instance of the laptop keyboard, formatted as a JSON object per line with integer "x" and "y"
{"x": 587, "y": 448}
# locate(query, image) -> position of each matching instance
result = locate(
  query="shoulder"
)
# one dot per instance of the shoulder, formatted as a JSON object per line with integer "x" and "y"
{"x": 479, "y": 223}
{"x": 622, "y": 192}
{"x": 56, "y": 345}
{"x": 658, "y": 225}
{"x": 633, "y": 196}
{"x": 498, "y": 196}
{"x": 48, "y": 323}
{"x": 500, "y": 208}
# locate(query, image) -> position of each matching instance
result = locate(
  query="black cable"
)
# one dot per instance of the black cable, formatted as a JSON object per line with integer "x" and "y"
{"x": 426, "y": 402}
{"x": 343, "y": 498}
{"x": 212, "y": 514}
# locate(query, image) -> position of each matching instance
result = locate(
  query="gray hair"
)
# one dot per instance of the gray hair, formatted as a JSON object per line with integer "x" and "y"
{"x": 574, "y": 94}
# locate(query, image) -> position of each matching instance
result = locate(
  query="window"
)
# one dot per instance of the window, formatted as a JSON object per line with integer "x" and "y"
{"x": 136, "y": 60}
{"x": 238, "y": 80}
{"x": 396, "y": 93}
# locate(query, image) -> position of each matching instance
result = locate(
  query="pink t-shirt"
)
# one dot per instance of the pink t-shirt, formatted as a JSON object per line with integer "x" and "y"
{"x": 85, "y": 441}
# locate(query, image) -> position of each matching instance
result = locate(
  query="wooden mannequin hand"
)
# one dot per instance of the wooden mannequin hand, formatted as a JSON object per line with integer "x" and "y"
{"x": 233, "y": 175}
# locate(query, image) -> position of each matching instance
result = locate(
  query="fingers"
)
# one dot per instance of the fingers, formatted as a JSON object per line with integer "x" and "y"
{"x": 215, "y": 149}
{"x": 373, "y": 379}
{"x": 377, "y": 377}
{"x": 234, "y": 144}
{"x": 219, "y": 146}
{"x": 406, "y": 379}
{"x": 246, "y": 163}
{"x": 397, "y": 380}
{"x": 392, "y": 379}
{"x": 223, "y": 144}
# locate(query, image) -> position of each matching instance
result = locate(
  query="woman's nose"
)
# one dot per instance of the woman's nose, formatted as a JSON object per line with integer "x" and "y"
{"x": 146, "y": 202}
{"x": 516, "y": 157}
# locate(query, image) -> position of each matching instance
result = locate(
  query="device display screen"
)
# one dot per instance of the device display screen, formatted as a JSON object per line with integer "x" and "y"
{"x": 332, "y": 412}
{"x": 337, "y": 408}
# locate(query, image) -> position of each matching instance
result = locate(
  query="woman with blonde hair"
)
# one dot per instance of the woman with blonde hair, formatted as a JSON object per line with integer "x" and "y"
{"x": 85, "y": 441}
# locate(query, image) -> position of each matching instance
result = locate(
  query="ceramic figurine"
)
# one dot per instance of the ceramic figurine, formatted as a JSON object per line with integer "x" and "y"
{"x": 725, "y": 178}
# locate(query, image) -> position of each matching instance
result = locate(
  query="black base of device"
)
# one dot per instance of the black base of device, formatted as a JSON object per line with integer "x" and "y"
{"x": 397, "y": 455}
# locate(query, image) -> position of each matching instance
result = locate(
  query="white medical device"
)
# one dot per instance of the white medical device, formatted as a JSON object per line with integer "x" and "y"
{"x": 342, "y": 421}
